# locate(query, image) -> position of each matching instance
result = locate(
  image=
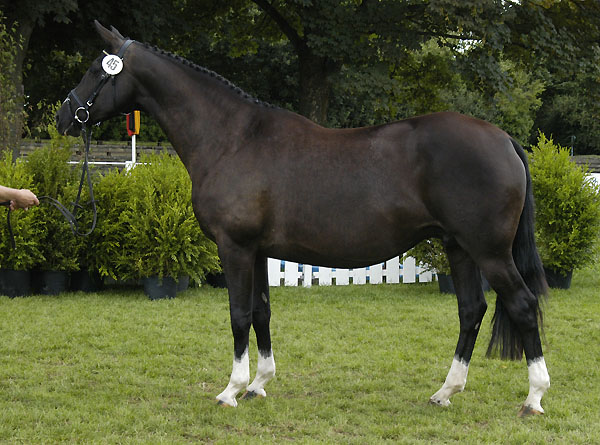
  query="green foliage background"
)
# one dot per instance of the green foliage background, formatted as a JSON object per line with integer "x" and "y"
{"x": 27, "y": 226}
{"x": 9, "y": 113}
{"x": 522, "y": 65}
{"x": 567, "y": 208}
{"x": 51, "y": 173}
{"x": 99, "y": 252}
{"x": 145, "y": 222}
{"x": 162, "y": 235}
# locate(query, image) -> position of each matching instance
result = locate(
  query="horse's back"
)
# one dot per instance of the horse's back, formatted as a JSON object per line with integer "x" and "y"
{"x": 390, "y": 185}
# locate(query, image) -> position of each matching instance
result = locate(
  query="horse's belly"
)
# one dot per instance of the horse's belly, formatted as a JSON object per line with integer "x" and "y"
{"x": 347, "y": 242}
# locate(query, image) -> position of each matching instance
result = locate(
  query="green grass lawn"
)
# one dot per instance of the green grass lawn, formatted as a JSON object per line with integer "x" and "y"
{"x": 355, "y": 364}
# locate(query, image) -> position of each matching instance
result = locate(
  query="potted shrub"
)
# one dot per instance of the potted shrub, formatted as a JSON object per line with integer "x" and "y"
{"x": 164, "y": 242}
{"x": 86, "y": 277}
{"x": 51, "y": 173}
{"x": 16, "y": 263}
{"x": 431, "y": 255}
{"x": 567, "y": 211}
{"x": 104, "y": 246}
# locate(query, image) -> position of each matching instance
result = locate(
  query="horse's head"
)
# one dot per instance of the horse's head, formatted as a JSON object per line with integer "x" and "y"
{"x": 105, "y": 90}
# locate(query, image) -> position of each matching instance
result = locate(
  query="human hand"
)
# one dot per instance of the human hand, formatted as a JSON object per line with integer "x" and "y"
{"x": 23, "y": 199}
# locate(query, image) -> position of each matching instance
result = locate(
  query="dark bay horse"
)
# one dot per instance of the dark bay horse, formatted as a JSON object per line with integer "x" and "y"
{"x": 269, "y": 183}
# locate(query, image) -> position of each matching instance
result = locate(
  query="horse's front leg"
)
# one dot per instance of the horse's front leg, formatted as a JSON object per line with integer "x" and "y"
{"x": 238, "y": 264}
{"x": 261, "y": 316}
{"x": 471, "y": 309}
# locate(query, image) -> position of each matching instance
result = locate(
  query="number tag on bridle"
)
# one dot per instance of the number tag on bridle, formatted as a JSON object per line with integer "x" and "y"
{"x": 112, "y": 64}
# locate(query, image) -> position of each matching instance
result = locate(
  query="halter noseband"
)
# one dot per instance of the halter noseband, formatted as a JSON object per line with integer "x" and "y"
{"x": 82, "y": 112}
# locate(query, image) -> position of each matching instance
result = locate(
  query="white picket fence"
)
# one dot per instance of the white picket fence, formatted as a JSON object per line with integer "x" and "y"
{"x": 287, "y": 273}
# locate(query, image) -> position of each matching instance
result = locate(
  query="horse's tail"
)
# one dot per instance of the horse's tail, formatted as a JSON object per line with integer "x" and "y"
{"x": 505, "y": 336}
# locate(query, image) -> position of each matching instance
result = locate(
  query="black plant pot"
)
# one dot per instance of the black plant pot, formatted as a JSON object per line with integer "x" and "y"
{"x": 216, "y": 279}
{"x": 158, "y": 289}
{"x": 49, "y": 282}
{"x": 446, "y": 284}
{"x": 558, "y": 279}
{"x": 183, "y": 283}
{"x": 15, "y": 283}
{"x": 86, "y": 281}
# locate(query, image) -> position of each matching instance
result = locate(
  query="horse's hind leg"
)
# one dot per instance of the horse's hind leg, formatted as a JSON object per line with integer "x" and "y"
{"x": 516, "y": 328}
{"x": 261, "y": 316}
{"x": 471, "y": 309}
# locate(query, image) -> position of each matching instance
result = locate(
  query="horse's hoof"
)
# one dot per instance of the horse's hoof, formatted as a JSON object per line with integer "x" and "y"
{"x": 249, "y": 395}
{"x": 438, "y": 402}
{"x": 223, "y": 404}
{"x": 527, "y": 411}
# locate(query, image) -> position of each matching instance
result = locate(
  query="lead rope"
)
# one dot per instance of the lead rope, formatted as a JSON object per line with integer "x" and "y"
{"x": 71, "y": 217}
{"x": 10, "y": 232}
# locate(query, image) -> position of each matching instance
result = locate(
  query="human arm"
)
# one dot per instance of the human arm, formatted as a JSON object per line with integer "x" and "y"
{"x": 19, "y": 198}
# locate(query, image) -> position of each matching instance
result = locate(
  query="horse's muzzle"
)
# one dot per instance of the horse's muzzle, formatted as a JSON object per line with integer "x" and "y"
{"x": 65, "y": 123}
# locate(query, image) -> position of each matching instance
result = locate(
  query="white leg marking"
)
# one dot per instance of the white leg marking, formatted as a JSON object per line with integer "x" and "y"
{"x": 264, "y": 372}
{"x": 240, "y": 376}
{"x": 539, "y": 382}
{"x": 455, "y": 382}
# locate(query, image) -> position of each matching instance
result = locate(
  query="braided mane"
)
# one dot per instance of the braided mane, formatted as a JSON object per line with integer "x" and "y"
{"x": 210, "y": 73}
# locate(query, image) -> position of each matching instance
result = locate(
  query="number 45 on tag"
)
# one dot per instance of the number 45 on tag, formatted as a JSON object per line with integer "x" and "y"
{"x": 112, "y": 64}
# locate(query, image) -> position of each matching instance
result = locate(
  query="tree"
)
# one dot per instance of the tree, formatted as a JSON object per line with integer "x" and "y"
{"x": 56, "y": 35}
{"x": 332, "y": 39}
{"x": 567, "y": 56}
{"x": 571, "y": 113}
{"x": 9, "y": 112}
{"x": 22, "y": 17}
{"x": 329, "y": 35}
{"x": 431, "y": 80}
{"x": 559, "y": 36}
{"x": 336, "y": 61}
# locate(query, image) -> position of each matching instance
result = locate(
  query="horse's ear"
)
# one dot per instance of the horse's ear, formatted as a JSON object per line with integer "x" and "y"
{"x": 114, "y": 39}
{"x": 116, "y": 32}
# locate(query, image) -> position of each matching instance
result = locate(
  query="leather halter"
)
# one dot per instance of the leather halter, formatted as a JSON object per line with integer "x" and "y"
{"x": 82, "y": 112}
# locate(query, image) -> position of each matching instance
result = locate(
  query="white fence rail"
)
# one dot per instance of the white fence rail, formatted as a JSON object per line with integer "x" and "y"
{"x": 287, "y": 273}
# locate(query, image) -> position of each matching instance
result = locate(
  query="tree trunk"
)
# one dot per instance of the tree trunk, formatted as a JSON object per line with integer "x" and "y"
{"x": 315, "y": 85}
{"x": 16, "y": 94}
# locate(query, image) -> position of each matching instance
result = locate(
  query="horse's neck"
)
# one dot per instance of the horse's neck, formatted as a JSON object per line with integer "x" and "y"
{"x": 195, "y": 111}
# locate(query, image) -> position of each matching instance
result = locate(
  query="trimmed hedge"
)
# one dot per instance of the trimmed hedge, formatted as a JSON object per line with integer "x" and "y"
{"x": 567, "y": 208}
{"x": 145, "y": 224}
